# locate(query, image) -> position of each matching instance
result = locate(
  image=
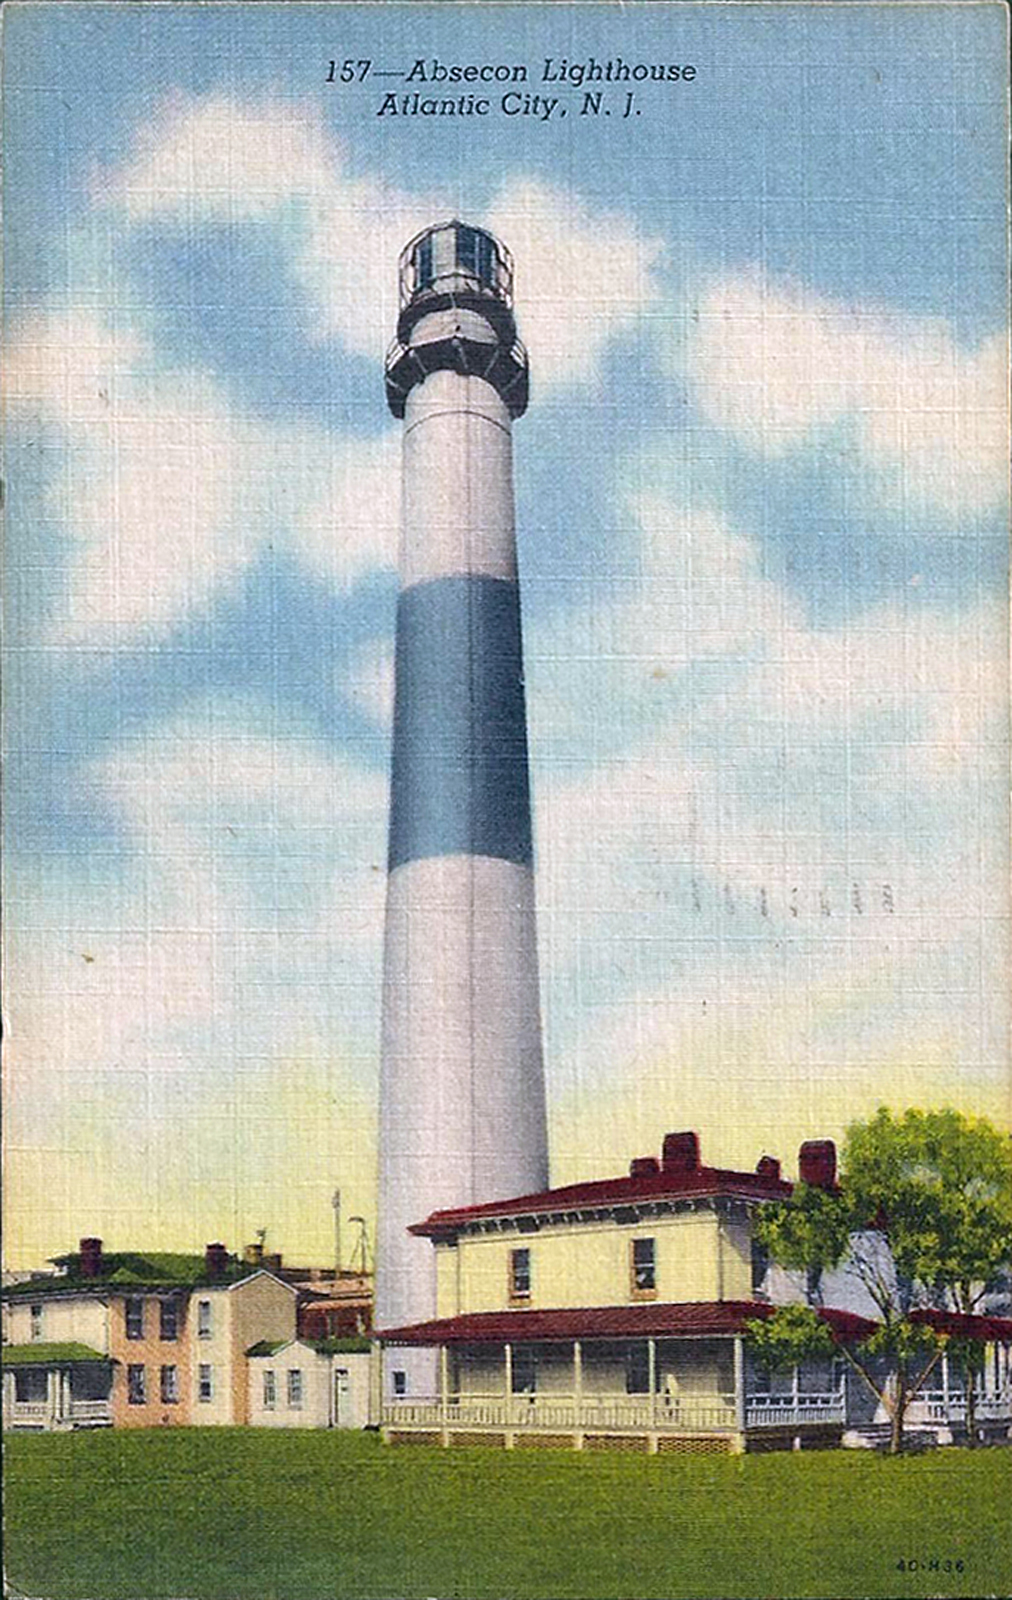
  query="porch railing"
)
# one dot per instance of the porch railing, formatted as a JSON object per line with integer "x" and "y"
{"x": 27, "y": 1411}
{"x": 934, "y": 1405}
{"x": 42, "y": 1414}
{"x": 90, "y": 1411}
{"x": 790, "y": 1410}
{"x": 609, "y": 1413}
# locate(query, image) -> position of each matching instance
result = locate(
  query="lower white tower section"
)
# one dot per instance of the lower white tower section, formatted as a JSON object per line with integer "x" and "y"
{"x": 462, "y": 1102}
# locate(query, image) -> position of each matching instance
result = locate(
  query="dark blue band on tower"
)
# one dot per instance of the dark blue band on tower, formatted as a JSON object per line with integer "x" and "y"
{"x": 460, "y": 783}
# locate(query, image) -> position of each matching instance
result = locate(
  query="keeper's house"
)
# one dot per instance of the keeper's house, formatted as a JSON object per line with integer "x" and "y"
{"x": 612, "y": 1314}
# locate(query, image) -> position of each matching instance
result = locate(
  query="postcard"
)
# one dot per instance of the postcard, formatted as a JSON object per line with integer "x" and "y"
{"x": 506, "y": 735}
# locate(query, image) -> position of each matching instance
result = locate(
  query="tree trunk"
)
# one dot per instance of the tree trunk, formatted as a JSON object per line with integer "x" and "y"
{"x": 899, "y": 1410}
{"x": 971, "y": 1408}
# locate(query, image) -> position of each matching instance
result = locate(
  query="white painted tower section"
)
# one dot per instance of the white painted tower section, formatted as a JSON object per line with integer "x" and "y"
{"x": 462, "y": 1101}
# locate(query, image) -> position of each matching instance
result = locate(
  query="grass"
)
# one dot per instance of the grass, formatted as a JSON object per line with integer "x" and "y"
{"x": 242, "y": 1514}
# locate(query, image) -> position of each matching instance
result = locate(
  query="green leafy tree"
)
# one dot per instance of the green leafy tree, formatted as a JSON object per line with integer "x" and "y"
{"x": 922, "y": 1218}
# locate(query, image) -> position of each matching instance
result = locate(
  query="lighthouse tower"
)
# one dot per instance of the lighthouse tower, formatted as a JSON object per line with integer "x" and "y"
{"x": 462, "y": 1102}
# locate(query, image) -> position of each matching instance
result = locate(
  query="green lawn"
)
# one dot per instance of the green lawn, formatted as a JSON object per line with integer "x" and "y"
{"x": 316, "y": 1516}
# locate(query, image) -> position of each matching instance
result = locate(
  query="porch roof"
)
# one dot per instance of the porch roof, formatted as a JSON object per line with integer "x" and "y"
{"x": 644, "y": 1321}
{"x": 51, "y": 1355}
{"x": 960, "y": 1326}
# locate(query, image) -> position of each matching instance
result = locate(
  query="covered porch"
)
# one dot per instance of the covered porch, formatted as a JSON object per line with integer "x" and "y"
{"x": 55, "y": 1387}
{"x": 648, "y": 1378}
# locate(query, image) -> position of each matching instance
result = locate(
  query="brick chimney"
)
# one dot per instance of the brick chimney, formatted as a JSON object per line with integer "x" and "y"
{"x": 644, "y": 1166}
{"x": 680, "y": 1152}
{"x": 91, "y": 1258}
{"x": 768, "y": 1167}
{"x": 215, "y": 1260}
{"x": 817, "y": 1163}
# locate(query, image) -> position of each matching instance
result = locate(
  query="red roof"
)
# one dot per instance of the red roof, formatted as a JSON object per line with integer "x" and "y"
{"x": 960, "y": 1326}
{"x": 608, "y": 1322}
{"x": 670, "y": 1183}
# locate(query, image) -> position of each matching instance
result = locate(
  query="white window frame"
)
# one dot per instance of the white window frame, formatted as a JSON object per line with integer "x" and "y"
{"x": 646, "y": 1291}
{"x": 527, "y": 1271}
{"x": 203, "y": 1319}
{"x": 36, "y": 1315}
{"x": 205, "y": 1383}
{"x": 400, "y": 1384}
{"x": 270, "y": 1389}
{"x": 296, "y": 1389}
{"x": 169, "y": 1385}
{"x": 137, "y": 1384}
{"x": 168, "y": 1311}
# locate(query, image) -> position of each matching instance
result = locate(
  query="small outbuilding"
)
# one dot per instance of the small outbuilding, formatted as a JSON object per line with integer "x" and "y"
{"x": 300, "y": 1383}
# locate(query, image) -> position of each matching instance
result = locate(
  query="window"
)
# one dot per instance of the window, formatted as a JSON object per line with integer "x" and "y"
{"x": 637, "y": 1369}
{"x": 423, "y": 263}
{"x": 170, "y": 1386}
{"x": 760, "y": 1266}
{"x": 474, "y": 252}
{"x": 203, "y": 1319}
{"x": 137, "y": 1391}
{"x": 525, "y": 1372}
{"x": 36, "y": 1315}
{"x": 644, "y": 1267}
{"x": 270, "y": 1390}
{"x": 134, "y": 1314}
{"x": 400, "y": 1384}
{"x": 168, "y": 1320}
{"x": 295, "y": 1389}
{"x": 31, "y": 1384}
{"x": 205, "y": 1382}
{"x": 520, "y": 1274}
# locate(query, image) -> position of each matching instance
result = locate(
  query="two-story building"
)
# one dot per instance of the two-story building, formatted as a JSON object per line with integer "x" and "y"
{"x": 130, "y": 1339}
{"x": 614, "y": 1312}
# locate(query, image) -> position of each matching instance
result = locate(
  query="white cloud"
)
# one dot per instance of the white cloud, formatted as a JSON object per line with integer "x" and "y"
{"x": 775, "y": 364}
{"x": 227, "y": 988}
{"x": 166, "y": 489}
{"x": 791, "y": 808}
{"x": 582, "y": 277}
{"x": 370, "y": 682}
{"x": 218, "y": 158}
{"x": 168, "y": 493}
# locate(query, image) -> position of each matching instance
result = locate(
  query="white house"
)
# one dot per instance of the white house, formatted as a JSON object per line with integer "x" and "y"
{"x": 299, "y": 1384}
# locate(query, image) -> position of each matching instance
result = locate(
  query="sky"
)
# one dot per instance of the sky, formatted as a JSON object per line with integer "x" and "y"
{"x": 762, "y": 524}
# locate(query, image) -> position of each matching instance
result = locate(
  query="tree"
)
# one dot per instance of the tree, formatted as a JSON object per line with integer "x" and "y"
{"x": 922, "y": 1218}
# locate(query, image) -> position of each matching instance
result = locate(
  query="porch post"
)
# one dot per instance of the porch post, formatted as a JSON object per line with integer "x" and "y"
{"x": 52, "y": 1396}
{"x": 739, "y": 1383}
{"x": 577, "y": 1373}
{"x": 375, "y": 1407}
{"x": 508, "y": 1370}
{"x": 652, "y": 1377}
{"x": 444, "y": 1436}
{"x": 945, "y": 1385}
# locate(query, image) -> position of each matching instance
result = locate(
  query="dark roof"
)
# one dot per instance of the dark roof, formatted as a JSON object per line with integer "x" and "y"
{"x": 267, "y": 1347}
{"x": 663, "y": 1185}
{"x": 49, "y": 1355}
{"x": 608, "y": 1322}
{"x": 353, "y": 1344}
{"x": 124, "y": 1270}
{"x": 960, "y": 1326}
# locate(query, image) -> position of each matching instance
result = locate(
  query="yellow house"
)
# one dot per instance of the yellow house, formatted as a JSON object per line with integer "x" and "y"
{"x": 612, "y": 1311}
